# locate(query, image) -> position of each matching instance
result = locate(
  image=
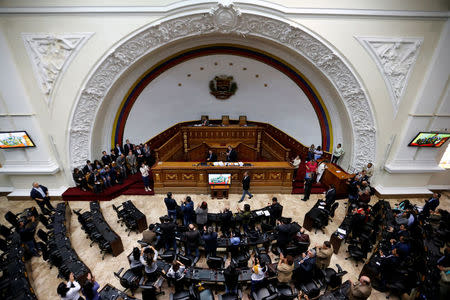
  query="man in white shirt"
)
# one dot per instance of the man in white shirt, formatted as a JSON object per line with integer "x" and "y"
{"x": 369, "y": 170}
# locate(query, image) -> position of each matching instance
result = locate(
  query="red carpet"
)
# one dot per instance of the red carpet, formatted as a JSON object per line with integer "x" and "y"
{"x": 133, "y": 185}
{"x": 298, "y": 184}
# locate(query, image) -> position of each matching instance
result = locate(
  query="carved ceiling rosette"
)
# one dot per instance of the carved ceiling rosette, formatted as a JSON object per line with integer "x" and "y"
{"x": 228, "y": 20}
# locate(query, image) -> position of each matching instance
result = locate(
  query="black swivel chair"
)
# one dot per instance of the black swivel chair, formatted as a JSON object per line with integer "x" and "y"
{"x": 215, "y": 262}
{"x": 129, "y": 280}
{"x": 265, "y": 293}
{"x": 12, "y": 219}
{"x": 286, "y": 292}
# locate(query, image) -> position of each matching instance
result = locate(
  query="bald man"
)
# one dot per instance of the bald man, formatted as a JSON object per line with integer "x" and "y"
{"x": 360, "y": 290}
{"x": 39, "y": 193}
{"x": 192, "y": 239}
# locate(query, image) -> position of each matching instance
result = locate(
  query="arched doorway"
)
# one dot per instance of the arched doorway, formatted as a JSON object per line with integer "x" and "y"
{"x": 227, "y": 22}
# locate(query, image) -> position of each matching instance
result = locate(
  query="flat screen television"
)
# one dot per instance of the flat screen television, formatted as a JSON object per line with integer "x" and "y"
{"x": 15, "y": 139}
{"x": 219, "y": 179}
{"x": 429, "y": 139}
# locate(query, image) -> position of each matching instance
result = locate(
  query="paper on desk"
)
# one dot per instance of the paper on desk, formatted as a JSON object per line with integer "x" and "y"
{"x": 342, "y": 231}
{"x": 267, "y": 213}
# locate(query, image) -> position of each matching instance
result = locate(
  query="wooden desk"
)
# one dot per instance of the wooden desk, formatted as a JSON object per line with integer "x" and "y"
{"x": 219, "y": 191}
{"x": 336, "y": 175}
{"x": 190, "y": 177}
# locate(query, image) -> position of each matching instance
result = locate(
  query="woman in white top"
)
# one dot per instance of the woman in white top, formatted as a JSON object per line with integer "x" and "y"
{"x": 69, "y": 290}
{"x": 258, "y": 275}
{"x": 149, "y": 255}
{"x": 144, "y": 172}
{"x": 296, "y": 163}
{"x": 320, "y": 169}
{"x": 318, "y": 153}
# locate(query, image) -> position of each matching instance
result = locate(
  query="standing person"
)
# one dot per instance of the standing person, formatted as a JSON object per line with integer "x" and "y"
{"x": 246, "y": 187}
{"x": 210, "y": 238}
{"x": 113, "y": 156}
{"x": 337, "y": 153}
{"x": 275, "y": 210}
{"x": 431, "y": 205}
{"x": 296, "y": 163}
{"x": 285, "y": 268}
{"x": 192, "y": 238}
{"x": 318, "y": 153}
{"x": 69, "y": 290}
{"x": 231, "y": 275}
{"x": 330, "y": 196}
{"x": 258, "y": 275}
{"x": 131, "y": 162}
{"x": 308, "y": 186}
{"x": 311, "y": 168}
{"x": 284, "y": 234}
{"x": 320, "y": 169}
{"x": 201, "y": 213}
{"x": 245, "y": 215}
{"x": 168, "y": 233}
{"x": 231, "y": 154}
{"x": 139, "y": 155}
{"x": 148, "y": 155}
{"x": 310, "y": 154}
{"x": 323, "y": 255}
{"x": 145, "y": 178}
{"x": 187, "y": 207}
{"x": 149, "y": 255}
{"x": 171, "y": 206}
{"x": 90, "y": 288}
{"x": 39, "y": 193}
{"x": 176, "y": 273}
{"x": 127, "y": 147}
{"x": 119, "y": 150}
{"x": 106, "y": 159}
{"x": 80, "y": 179}
{"x": 149, "y": 236}
{"x": 26, "y": 231}
{"x": 121, "y": 163}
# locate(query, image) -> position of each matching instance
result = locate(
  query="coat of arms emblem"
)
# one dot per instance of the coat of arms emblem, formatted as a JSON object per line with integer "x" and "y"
{"x": 222, "y": 87}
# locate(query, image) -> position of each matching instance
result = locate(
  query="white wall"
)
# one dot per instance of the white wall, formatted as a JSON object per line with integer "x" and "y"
{"x": 282, "y": 103}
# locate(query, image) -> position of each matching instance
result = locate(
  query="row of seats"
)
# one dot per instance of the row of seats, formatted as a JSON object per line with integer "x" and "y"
{"x": 57, "y": 249}
{"x": 14, "y": 282}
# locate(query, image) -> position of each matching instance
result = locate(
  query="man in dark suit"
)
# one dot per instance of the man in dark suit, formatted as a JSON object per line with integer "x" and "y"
{"x": 276, "y": 210}
{"x": 306, "y": 265}
{"x": 88, "y": 168}
{"x": 39, "y": 193}
{"x": 211, "y": 157}
{"x": 308, "y": 185}
{"x": 245, "y": 186}
{"x": 231, "y": 154}
{"x": 119, "y": 150}
{"x": 330, "y": 196}
{"x": 284, "y": 235}
{"x": 430, "y": 205}
{"x": 106, "y": 159}
{"x": 128, "y": 147}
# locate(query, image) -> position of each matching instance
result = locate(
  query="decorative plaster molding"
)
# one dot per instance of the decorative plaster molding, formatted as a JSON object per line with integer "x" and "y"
{"x": 395, "y": 58}
{"x": 46, "y": 168}
{"x": 118, "y": 60}
{"x": 412, "y": 166}
{"x": 180, "y": 6}
{"x": 402, "y": 190}
{"x": 50, "y": 55}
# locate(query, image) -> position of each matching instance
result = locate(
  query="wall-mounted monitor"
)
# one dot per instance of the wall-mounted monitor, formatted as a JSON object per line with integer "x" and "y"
{"x": 15, "y": 139}
{"x": 429, "y": 139}
{"x": 223, "y": 179}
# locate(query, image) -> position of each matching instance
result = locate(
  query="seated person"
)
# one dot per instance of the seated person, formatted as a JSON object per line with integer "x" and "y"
{"x": 149, "y": 236}
{"x": 211, "y": 157}
{"x": 135, "y": 261}
{"x": 318, "y": 153}
{"x": 360, "y": 290}
{"x": 306, "y": 265}
{"x": 80, "y": 179}
{"x": 205, "y": 121}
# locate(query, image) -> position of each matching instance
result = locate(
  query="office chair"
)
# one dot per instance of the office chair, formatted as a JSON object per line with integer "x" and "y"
{"x": 215, "y": 262}
{"x": 231, "y": 296}
{"x": 331, "y": 278}
{"x": 12, "y": 219}
{"x": 42, "y": 235}
{"x": 332, "y": 210}
{"x": 184, "y": 295}
{"x": 129, "y": 280}
{"x": 265, "y": 293}
{"x": 286, "y": 292}
{"x": 188, "y": 261}
{"x": 5, "y": 231}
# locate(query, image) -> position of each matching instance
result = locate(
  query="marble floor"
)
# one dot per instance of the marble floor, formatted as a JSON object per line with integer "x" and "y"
{"x": 45, "y": 281}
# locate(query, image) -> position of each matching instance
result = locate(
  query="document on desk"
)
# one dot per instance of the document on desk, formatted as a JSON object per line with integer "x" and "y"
{"x": 267, "y": 213}
{"x": 341, "y": 231}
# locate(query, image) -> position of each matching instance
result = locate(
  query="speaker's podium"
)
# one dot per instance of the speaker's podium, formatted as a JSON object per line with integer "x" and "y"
{"x": 220, "y": 185}
{"x": 219, "y": 191}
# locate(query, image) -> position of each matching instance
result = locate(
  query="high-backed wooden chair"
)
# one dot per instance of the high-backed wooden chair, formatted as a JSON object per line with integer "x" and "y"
{"x": 242, "y": 120}
{"x": 225, "y": 120}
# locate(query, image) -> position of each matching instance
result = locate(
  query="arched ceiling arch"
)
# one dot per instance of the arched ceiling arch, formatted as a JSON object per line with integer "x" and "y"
{"x": 224, "y": 20}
